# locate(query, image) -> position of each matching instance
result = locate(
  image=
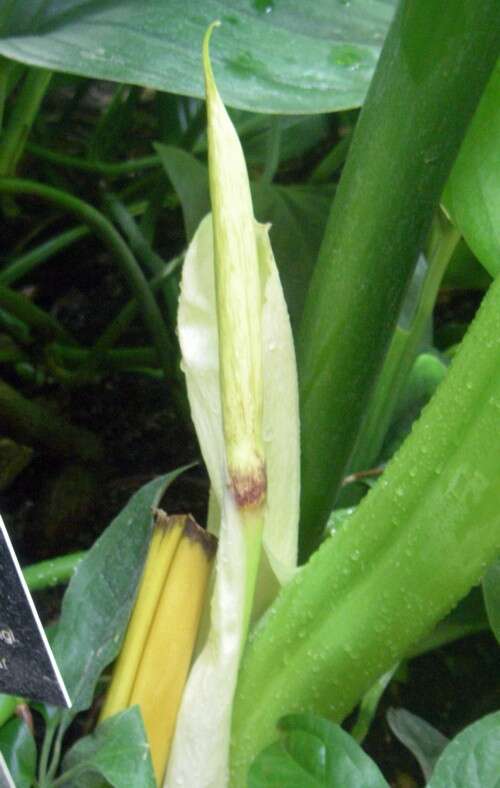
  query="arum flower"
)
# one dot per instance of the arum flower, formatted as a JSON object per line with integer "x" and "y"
{"x": 239, "y": 362}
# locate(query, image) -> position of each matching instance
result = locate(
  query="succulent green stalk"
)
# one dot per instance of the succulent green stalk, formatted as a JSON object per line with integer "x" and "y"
{"x": 415, "y": 545}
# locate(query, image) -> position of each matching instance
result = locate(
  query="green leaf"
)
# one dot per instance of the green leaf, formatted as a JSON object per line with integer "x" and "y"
{"x": 472, "y": 195}
{"x": 337, "y": 520}
{"x": 117, "y": 751}
{"x": 99, "y": 598}
{"x": 314, "y": 752}
{"x": 491, "y": 592}
{"x": 18, "y": 747}
{"x": 370, "y": 701}
{"x": 472, "y": 760}
{"x": 299, "y": 134}
{"x": 467, "y": 618}
{"x": 436, "y": 55}
{"x": 298, "y": 217}
{"x": 269, "y": 57}
{"x": 464, "y": 271}
{"x": 426, "y": 374}
{"x": 423, "y": 740}
{"x": 189, "y": 178}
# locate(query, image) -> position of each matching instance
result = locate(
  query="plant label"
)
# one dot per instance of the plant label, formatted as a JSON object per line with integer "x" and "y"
{"x": 27, "y": 665}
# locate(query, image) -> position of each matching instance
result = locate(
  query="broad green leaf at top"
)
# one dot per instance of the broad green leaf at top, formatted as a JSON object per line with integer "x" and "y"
{"x": 472, "y": 195}
{"x": 281, "y": 56}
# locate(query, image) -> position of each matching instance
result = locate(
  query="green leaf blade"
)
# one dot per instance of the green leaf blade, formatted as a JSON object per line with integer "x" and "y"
{"x": 18, "y": 747}
{"x": 472, "y": 760}
{"x": 314, "y": 753}
{"x": 117, "y": 751}
{"x": 491, "y": 593}
{"x": 99, "y": 598}
{"x": 281, "y": 57}
{"x": 472, "y": 194}
{"x": 423, "y": 740}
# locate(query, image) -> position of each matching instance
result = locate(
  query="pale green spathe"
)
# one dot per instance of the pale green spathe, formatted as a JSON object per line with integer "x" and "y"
{"x": 239, "y": 363}
{"x": 238, "y": 296}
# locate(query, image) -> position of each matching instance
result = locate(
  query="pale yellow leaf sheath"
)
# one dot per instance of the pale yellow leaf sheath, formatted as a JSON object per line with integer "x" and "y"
{"x": 164, "y": 542}
{"x": 164, "y": 665}
{"x": 153, "y": 664}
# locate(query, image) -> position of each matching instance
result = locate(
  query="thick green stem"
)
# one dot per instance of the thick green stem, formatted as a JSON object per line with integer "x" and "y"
{"x": 415, "y": 545}
{"x": 23, "y": 114}
{"x": 121, "y": 254}
{"x": 435, "y": 63}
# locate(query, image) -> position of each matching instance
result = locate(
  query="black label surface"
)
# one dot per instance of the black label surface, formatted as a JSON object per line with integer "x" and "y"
{"x": 27, "y": 666}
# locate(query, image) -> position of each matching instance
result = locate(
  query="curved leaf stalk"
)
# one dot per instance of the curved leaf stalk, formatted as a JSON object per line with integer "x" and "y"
{"x": 35, "y": 257}
{"x": 416, "y": 544}
{"x": 109, "y": 169}
{"x": 434, "y": 65}
{"x": 121, "y": 254}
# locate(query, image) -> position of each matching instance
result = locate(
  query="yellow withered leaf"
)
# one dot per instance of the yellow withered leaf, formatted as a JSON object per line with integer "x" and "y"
{"x": 154, "y": 661}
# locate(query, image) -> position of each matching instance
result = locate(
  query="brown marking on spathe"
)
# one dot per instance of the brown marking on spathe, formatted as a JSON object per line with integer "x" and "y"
{"x": 249, "y": 489}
